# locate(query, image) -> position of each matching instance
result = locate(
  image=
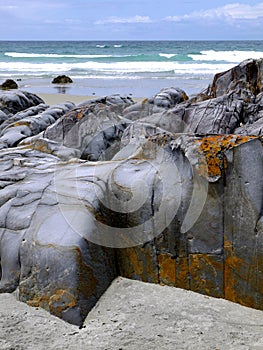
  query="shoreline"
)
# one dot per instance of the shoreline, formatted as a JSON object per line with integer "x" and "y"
{"x": 135, "y": 88}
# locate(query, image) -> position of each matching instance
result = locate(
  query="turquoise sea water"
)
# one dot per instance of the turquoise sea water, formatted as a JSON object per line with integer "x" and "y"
{"x": 140, "y": 68}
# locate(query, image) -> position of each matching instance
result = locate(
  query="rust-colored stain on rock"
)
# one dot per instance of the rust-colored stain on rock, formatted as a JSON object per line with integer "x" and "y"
{"x": 56, "y": 303}
{"x": 212, "y": 148}
{"x": 167, "y": 269}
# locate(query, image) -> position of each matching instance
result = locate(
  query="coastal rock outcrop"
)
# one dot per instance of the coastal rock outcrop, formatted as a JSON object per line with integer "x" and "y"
{"x": 168, "y": 190}
{"x": 30, "y": 122}
{"x": 88, "y": 130}
{"x": 245, "y": 78}
{"x": 163, "y": 100}
{"x": 13, "y": 102}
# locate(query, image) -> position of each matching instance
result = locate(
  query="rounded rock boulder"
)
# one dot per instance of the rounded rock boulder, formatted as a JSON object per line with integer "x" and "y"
{"x": 9, "y": 84}
{"x": 62, "y": 79}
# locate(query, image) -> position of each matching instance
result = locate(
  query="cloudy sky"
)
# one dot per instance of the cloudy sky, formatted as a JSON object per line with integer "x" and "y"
{"x": 131, "y": 20}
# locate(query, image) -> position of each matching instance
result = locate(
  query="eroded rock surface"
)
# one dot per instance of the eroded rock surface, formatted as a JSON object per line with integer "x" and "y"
{"x": 168, "y": 190}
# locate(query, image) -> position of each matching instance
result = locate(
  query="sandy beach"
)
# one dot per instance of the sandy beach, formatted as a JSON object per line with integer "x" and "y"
{"x": 56, "y": 98}
{"x": 133, "y": 315}
{"x": 52, "y": 99}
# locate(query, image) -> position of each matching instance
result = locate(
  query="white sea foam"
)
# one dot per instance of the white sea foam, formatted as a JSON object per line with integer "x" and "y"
{"x": 114, "y": 67}
{"x": 17, "y": 67}
{"x": 167, "y": 55}
{"x": 227, "y": 56}
{"x": 50, "y": 55}
{"x": 107, "y": 77}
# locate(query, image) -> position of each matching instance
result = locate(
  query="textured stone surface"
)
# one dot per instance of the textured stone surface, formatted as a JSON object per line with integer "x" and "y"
{"x": 219, "y": 255}
{"x": 245, "y": 79}
{"x": 166, "y": 191}
{"x": 13, "y": 102}
{"x": 91, "y": 127}
{"x": 53, "y": 263}
{"x": 163, "y": 100}
{"x": 30, "y": 122}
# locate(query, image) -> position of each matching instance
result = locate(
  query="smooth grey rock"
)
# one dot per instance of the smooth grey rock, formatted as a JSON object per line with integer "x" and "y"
{"x": 90, "y": 128}
{"x": 221, "y": 115}
{"x": 117, "y": 102}
{"x": 31, "y": 122}
{"x": 31, "y": 111}
{"x": 3, "y": 117}
{"x": 51, "y": 261}
{"x": 13, "y": 102}
{"x": 165, "y": 99}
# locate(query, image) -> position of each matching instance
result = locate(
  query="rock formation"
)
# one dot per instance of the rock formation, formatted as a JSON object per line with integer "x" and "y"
{"x": 168, "y": 190}
{"x": 62, "y": 79}
{"x": 9, "y": 84}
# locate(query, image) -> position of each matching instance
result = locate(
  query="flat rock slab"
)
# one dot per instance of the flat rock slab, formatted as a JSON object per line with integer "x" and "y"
{"x": 133, "y": 315}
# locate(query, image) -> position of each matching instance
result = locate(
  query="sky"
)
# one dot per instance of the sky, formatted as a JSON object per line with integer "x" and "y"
{"x": 131, "y": 20}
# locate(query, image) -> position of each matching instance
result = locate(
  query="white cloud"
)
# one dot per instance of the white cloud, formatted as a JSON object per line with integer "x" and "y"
{"x": 8, "y": 7}
{"x": 235, "y": 11}
{"x": 135, "y": 19}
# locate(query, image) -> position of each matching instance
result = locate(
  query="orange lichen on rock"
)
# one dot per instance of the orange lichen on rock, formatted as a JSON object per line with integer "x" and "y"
{"x": 206, "y": 271}
{"x": 232, "y": 265}
{"x": 56, "y": 303}
{"x": 144, "y": 101}
{"x": 60, "y": 301}
{"x": 167, "y": 269}
{"x": 184, "y": 96}
{"x": 40, "y": 145}
{"x": 211, "y": 149}
{"x": 138, "y": 263}
{"x": 80, "y": 114}
{"x": 21, "y": 123}
{"x": 182, "y": 273}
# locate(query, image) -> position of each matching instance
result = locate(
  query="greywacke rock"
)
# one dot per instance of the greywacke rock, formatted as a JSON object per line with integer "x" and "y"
{"x": 168, "y": 190}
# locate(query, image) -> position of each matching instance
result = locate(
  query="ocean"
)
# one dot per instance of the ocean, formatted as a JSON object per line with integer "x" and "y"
{"x": 137, "y": 68}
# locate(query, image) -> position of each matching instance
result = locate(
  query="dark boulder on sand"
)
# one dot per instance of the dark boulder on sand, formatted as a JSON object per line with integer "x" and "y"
{"x": 168, "y": 190}
{"x": 62, "y": 79}
{"x": 9, "y": 84}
